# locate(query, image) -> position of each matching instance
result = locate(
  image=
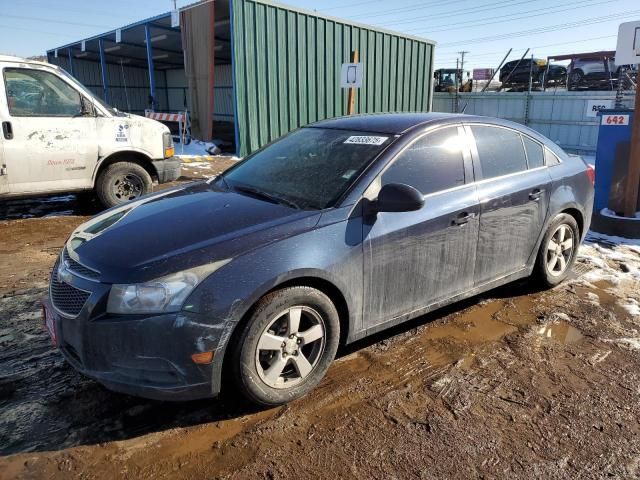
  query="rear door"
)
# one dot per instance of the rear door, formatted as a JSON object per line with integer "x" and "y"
{"x": 51, "y": 145}
{"x": 413, "y": 259}
{"x": 514, "y": 196}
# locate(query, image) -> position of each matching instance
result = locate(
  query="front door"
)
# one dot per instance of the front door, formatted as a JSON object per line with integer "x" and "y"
{"x": 414, "y": 259}
{"x": 49, "y": 145}
{"x": 514, "y": 197}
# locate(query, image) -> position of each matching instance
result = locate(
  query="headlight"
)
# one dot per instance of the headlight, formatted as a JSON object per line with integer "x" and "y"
{"x": 166, "y": 294}
{"x": 167, "y": 145}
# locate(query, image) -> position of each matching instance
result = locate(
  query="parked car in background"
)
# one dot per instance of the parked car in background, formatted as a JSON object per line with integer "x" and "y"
{"x": 515, "y": 74}
{"x": 338, "y": 230}
{"x": 58, "y": 137}
{"x": 597, "y": 74}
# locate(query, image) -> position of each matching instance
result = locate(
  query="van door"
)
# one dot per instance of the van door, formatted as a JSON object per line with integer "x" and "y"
{"x": 49, "y": 139}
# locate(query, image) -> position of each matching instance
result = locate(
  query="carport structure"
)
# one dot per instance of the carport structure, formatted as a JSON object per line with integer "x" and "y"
{"x": 250, "y": 71}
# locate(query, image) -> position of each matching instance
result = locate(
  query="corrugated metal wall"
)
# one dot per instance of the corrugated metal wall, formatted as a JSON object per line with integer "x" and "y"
{"x": 128, "y": 86}
{"x": 287, "y": 70}
{"x": 223, "y": 94}
{"x": 561, "y": 116}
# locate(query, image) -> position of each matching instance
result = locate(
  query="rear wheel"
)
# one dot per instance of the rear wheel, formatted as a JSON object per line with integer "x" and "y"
{"x": 558, "y": 250}
{"x": 574, "y": 80}
{"x": 122, "y": 182}
{"x": 287, "y": 345}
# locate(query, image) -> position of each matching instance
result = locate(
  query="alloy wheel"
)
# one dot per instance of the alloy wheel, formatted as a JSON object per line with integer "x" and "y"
{"x": 560, "y": 250}
{"x": 290, "y": 347}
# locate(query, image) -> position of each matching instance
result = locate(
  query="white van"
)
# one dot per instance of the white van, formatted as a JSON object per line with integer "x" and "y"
{"x": 58, "y": 137}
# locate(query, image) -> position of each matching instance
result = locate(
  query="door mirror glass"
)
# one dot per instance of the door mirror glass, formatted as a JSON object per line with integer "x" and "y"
{"x": 397, "y": 197}
{"x": 86, "y": 108}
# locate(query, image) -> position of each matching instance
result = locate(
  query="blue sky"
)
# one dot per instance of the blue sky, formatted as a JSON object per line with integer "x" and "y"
{"x": 487, "y": 29}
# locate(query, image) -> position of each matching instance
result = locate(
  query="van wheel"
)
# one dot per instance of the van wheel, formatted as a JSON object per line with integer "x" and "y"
{"x": 122, "y": 182}
{"x": 287, "y": 345}
{"x": 558, "y": 250}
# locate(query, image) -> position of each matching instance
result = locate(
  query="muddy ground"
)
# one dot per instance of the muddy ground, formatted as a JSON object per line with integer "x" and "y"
{"x": 517, "y": 383}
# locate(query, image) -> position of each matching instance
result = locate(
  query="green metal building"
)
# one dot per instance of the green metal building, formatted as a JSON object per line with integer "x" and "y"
{"x": 271, "y": 68}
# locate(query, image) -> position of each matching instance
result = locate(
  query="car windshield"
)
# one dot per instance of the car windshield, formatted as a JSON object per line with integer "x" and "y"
{"x": 309, "y": 169}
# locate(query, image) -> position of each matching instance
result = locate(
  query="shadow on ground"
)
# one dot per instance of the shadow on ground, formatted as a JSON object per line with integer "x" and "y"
{"x": 45, "y": 405}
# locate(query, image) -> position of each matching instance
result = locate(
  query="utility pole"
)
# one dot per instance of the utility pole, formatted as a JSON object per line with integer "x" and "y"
{"x": 462, "y": 54}
{"x": 633, "y": 175}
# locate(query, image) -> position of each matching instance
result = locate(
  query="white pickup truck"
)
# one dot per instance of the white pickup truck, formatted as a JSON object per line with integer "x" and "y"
{"x": 58, "y": 137}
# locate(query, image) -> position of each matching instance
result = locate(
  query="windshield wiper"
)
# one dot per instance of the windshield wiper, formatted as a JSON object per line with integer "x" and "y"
{"x": 265, "y": 196}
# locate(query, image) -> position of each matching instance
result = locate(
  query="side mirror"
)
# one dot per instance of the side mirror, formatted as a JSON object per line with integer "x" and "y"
{"x": 398, "y": 197}
{"x": 86, "y": 109}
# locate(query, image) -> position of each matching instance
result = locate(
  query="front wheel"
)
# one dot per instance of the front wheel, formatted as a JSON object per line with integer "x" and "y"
{"x": 558, "y": 250}
{"x": 287, "y": 345}
{"x": 122, "y": 182}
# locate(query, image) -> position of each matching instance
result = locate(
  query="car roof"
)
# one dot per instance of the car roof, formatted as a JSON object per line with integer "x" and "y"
{"x": 389, "y": 123}
{"x": 402, "y": 123}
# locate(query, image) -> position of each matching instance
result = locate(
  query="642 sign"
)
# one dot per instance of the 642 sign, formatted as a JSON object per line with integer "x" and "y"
{"x": 615, "y": 120}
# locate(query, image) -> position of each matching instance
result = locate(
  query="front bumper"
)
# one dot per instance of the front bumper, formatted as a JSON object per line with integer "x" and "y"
{"x": 168, "y": 169}
{"x": 146, "y": 356}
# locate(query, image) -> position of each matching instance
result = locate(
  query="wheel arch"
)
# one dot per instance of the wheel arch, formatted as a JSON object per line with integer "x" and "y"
{"x": 130, "y": 156}
{"x": 578, "y": 216}
{"x": 324, "y": 285}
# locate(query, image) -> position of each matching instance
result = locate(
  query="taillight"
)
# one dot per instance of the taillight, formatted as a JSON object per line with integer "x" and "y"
{"x": 591, "y": 173}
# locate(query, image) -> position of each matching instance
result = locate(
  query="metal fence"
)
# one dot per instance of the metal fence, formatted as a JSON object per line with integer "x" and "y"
{"x": 567, "y": 118}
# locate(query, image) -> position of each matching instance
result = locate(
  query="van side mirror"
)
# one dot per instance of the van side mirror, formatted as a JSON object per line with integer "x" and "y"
{"x": 86, "y": 109}
{"x": 398, "y": 197}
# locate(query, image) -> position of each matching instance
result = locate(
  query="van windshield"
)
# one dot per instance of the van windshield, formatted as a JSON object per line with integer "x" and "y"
{"x": 84, "y": 89}
{"x": 309, "y": 169}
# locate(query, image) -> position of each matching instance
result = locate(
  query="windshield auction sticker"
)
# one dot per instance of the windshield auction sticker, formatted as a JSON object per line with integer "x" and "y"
{"x": 366, "y": 140}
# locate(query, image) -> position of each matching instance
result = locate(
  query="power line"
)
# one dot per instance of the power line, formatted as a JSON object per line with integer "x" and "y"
{"x": 526, "y": 14}
{"x": 451, "y": 59}
{"x": 550, "y": 28}
{"x": 455, "y": 13}
{"x": 412, "y": 8}
{"x": 53, "y": 20}
{"x": 353, "y": 5}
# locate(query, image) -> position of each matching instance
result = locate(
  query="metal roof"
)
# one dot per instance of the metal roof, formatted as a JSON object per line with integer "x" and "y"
{"x": 132, "y": 49}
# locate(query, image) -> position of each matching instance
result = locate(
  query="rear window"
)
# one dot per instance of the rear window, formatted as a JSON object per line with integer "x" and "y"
{"x": 500, "y": 150}
{"x": 551, "y": 158}
{"x": 535, "y": 152}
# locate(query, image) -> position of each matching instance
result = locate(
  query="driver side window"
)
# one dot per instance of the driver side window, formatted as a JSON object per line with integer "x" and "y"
{"x": 431, "y": 164}
{"x": 36, "y": 93}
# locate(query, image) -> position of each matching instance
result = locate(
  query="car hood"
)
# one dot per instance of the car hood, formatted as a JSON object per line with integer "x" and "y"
{"x": 180, "y": 228}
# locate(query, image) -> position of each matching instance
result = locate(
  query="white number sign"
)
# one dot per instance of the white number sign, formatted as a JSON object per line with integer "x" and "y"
{"x": 628, "y": 51}
{"x": 351, "y": 75}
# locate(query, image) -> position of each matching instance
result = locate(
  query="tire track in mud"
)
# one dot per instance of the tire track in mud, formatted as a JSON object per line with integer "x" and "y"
{"x": 520, "y": 384}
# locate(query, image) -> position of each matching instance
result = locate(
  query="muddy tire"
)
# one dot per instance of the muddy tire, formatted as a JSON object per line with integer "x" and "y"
{"x": 558, "y": 250}
{"x": 122, "y": 182}
{"x": 286, "y": 347}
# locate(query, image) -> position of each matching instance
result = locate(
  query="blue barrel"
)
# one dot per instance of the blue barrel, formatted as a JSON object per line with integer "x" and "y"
{"x": 615, "y": 129}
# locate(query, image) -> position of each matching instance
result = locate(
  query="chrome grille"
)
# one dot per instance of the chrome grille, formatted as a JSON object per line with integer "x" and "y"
{"x": 78, "y": 268}
{"x": 67, "y": 299}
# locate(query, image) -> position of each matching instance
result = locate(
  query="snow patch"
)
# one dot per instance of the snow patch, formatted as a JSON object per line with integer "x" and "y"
{"x": 632, "y": 306}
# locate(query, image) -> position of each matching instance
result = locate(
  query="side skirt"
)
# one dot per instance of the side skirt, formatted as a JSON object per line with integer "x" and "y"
{"x": 522, "y": 273}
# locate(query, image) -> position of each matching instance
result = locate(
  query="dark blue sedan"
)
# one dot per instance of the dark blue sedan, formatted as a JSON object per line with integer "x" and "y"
{"x": 335, "y": 231}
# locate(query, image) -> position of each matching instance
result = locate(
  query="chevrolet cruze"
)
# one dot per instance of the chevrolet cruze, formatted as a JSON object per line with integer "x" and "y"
{"x": 335, "y": 231}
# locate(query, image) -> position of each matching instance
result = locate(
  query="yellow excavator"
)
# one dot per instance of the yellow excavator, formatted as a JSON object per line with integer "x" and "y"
{"x": 446, "y": 80}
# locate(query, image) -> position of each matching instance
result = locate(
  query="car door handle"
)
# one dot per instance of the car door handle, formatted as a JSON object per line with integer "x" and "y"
{"x": 7, "y": 130}
{"x": 463, "y": 218}
{"x": 536, "y": 194}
